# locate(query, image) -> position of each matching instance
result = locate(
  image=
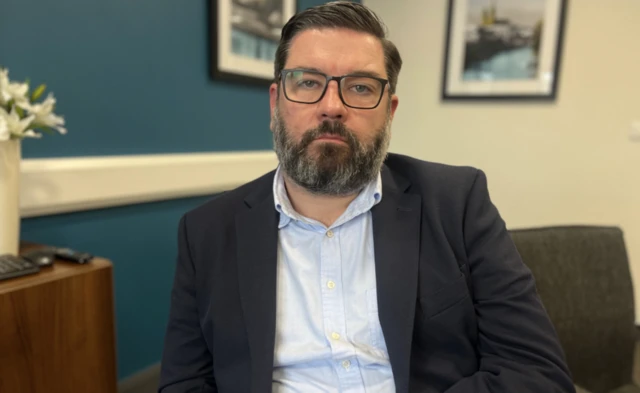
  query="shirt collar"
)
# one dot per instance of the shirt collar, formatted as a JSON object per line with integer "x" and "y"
{"x": 370, "y": 195}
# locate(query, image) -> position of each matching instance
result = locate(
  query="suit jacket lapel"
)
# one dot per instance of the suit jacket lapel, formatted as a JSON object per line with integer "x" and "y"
{"x": 257, "y": 240}
{"x": 396, "y": 233}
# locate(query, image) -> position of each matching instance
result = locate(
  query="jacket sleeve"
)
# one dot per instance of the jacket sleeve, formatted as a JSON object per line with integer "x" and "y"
{"x": 187, "y": 364}
{"x": 518, "y": 347}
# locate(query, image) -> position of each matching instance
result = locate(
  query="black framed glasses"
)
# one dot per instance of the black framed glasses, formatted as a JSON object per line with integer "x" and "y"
{"x": 309, "y": 86}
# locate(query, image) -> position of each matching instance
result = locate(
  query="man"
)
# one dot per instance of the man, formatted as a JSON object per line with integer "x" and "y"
{"x": 347, "y": 269}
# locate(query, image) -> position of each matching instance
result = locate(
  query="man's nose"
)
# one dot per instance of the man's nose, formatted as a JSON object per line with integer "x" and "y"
{"x": 331, "y": 106}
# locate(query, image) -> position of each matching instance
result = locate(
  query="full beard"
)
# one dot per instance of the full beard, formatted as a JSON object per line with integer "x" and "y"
{"x": 327, "y": 168}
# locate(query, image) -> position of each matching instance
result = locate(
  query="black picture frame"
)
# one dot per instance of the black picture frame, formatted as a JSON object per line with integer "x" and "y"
{"x": 243, "y": 35}
{"x": 477, "y": 56}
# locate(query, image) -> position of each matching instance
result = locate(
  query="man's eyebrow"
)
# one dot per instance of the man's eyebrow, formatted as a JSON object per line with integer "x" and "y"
{"x": 306, "y": 69}
{"x": 372, "y": 74}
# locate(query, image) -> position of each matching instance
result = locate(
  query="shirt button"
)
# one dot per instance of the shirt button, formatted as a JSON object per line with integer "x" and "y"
{"x": 329, "y": 233}
{"x": 331, "y": 285}
{"x": 346, "y": 364}
{"x": 335, "y": 336}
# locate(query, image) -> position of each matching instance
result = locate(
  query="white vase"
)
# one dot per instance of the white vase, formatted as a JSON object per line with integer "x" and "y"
{"x": 10, "y": 155}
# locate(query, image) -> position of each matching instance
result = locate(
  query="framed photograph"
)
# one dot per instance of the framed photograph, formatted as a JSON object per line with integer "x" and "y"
{"x": 244, "y": 35}
{"x": 503, "y": 49}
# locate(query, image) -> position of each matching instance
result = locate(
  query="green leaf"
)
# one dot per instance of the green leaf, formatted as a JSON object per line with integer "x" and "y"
{"x": 16, "y": 136}
{"x": 46, "y": 130}
{"x": 37, "y": 93}
{"x": 20, "y": 112}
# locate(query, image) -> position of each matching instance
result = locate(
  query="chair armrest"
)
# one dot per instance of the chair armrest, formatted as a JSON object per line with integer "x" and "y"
{"x": 581, "y": 390}
{"x": 635, "y": 377}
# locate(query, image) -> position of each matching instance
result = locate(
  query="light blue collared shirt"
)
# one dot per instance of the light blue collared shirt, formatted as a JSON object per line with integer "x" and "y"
{"x": 328, "y": 335}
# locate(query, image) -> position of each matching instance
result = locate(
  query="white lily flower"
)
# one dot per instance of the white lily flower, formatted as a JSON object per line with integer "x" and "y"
{"x": 15, "y": 125}
{"x": 31, "y": 134}
{"x": 12, "y": 90}
{"x": 44, "y": 115}
{"x": 4, "y": 129}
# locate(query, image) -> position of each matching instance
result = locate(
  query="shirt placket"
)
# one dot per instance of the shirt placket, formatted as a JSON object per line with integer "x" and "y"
{"x": 333, "y": 301}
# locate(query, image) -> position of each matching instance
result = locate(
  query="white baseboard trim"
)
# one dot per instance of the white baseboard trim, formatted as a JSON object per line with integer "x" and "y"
{"x": 62, "y": 185}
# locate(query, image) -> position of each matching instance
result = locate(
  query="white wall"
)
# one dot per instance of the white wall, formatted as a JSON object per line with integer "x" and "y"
{"x": 567, "y": 162}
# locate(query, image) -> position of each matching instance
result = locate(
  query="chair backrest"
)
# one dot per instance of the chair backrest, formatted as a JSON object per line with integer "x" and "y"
{"x": 583, "y": 278}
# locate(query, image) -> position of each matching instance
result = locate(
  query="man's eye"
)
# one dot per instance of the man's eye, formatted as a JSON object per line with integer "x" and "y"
{"x": 361, "y": 89}
{"x": 308, "y": 83}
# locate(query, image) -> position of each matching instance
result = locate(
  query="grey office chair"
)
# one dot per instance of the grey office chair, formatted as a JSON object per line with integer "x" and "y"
{"x": 583, "y": 278}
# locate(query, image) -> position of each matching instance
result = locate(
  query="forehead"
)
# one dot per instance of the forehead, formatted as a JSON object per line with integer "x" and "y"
{"x": 336, "y": 51}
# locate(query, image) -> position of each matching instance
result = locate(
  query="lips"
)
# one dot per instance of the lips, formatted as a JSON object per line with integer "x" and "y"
{"x": 331, "y": 138}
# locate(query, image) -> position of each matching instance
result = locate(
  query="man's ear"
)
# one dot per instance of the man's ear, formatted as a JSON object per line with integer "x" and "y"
{"x": 273, "y": 101}
{"x": 394, "y": 104}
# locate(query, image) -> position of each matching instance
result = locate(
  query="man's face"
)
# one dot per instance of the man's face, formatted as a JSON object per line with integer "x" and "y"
{"x": 327, "y": 147}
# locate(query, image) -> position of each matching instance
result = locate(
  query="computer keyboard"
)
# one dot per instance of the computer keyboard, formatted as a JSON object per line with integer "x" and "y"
{"x": 13, "y": 266}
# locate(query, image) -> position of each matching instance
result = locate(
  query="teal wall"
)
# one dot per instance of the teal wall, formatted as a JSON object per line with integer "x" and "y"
{"x": 131, "y": 77}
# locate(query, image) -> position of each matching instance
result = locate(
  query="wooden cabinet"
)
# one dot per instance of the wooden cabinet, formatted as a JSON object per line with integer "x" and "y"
{"x": 57, "y": 332}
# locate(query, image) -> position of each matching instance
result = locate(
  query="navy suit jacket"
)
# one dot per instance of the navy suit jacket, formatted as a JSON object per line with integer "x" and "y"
{"x": 458, "y": 308}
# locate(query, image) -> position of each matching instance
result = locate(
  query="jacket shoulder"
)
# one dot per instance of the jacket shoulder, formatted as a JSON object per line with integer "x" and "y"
{"x": 432, "y": 178}
{"x": 225, "y": 205}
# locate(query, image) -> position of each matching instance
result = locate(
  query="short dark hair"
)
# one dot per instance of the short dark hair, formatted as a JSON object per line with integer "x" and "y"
{"x": 340, "y": 14}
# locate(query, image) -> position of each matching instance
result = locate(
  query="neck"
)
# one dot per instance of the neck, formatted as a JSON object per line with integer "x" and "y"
{"x": 323, "y": 208}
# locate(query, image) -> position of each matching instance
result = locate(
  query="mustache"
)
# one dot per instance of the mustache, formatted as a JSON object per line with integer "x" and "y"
{"x": 328, "y": 128}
